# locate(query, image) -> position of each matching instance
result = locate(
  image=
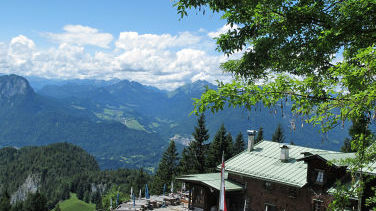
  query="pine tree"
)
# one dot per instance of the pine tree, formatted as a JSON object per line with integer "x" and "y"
{"x": 220, "y": 144}
{"x": 97, "y": 200}
{"x": 66, "y": 192}
{"x": 80, "y": 192}
{"x": 87, "y": 197}
{"x": 5, "y": 202}
{"x": 167, "y": 169}
{"x": 278, "y": 135}
{"x": 36, "y": 202}
{"x": 239, "y": 144}
{"x": 186, "y": 165}
{"x": 57, "y": 208}
{"x": 230, "y": 143}
{"x": 98, "y": 204}
{"x": 260, "y": 135}
{"x": 346, "y": 147}
{"x": 197, "y": 148}
{"x": 358, "y": 127}
{"x": 141, "y": 179}
{"x": 18, "y": 206}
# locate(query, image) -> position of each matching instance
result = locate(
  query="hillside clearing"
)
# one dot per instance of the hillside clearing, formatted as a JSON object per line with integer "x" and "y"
{"x": 74, "y": 204}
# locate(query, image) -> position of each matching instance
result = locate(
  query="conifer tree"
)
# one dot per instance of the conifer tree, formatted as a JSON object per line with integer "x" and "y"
{"x": 197, "y": 147}
{"x": 346, "y": 147}
{"x": 239, "y": 144}
{"x": 167, "y": 169}
{"x": 230, "y": 143}
{"x": 141, "y": 179}
{"x": 220, "y": 144}
{"x": 18, "y": 206}
{"x": 5, "y": 202}
{"x": 99, "y": 205}
{"x": 97, "y": 200}
{"x": 278, "y": 135}
{"x": 358, "y": 127}
{"x": 186, "y": 166}
{"x": 260, "y": 135}
{"x": 36, "y": 202}
{"x": 65, "y": 191}
{"x": 87, "y": 197}
{"x": 57, "y": 208}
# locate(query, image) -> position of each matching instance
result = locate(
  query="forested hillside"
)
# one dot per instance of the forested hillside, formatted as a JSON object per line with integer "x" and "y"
{"x": 53, "y": 171}
{"x": 48, "y": 169}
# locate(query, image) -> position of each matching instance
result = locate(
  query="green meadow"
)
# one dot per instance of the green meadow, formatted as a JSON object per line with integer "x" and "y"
{"x": 74, "y": 204}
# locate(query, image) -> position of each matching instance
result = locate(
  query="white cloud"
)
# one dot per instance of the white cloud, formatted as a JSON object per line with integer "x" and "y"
{"x": 21, "y": 50}
{"x": 131, "y": 40}
{"x": 225, "y": 28}
{"x": 82, "y": 35}
{"x": 166, "y": 61}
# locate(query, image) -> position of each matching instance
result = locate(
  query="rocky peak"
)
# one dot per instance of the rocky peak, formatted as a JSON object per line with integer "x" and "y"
{"x": 14, "y": 85}
{"x": 30, "y": 185}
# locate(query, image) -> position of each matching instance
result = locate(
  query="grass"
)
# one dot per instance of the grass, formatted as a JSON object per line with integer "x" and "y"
{"x": 134, "y": 124}
{"x": 74, "y": 204}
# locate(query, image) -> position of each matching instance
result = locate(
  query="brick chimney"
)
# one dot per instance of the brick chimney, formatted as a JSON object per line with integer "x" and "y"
{"x": 251, "y": 139}
{"x": 284, "y": 153}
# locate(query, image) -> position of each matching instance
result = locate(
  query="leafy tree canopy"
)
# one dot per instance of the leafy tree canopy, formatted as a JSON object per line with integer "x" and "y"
{"x": 295, "y": 49}
{"x": 320, "y": 55}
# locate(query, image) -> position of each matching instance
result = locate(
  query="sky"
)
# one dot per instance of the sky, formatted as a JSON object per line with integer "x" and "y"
{"x": 143, "y": 40}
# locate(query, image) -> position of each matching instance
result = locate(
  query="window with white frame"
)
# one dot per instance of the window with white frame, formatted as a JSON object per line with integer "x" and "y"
{"x": 320, "y": 176}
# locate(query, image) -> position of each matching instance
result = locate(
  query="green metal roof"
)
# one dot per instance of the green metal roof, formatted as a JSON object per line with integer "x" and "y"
{"x": 264, "y": 163}
{"x": 370, "y": 169}
{"x": 337, "y": 158}
{"x": 212, "y": 180}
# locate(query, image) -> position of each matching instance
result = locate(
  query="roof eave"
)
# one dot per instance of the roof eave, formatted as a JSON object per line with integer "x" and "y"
{"x": 266, "y": 179}
{"x": 204, "y": 184}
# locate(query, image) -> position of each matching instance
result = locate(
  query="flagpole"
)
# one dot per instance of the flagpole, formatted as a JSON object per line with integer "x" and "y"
{"x": 222, "y": 192}
{"x": 220, "y": 187}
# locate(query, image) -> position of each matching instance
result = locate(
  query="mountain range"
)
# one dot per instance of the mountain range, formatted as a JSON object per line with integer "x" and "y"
{"x": 127, "y": 124}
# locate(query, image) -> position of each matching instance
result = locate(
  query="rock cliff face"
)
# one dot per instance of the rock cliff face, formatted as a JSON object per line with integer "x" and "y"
{"x": 30, "y": 185}
{"x": 13, "y": 85}
{"x": 99, "y": 187}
